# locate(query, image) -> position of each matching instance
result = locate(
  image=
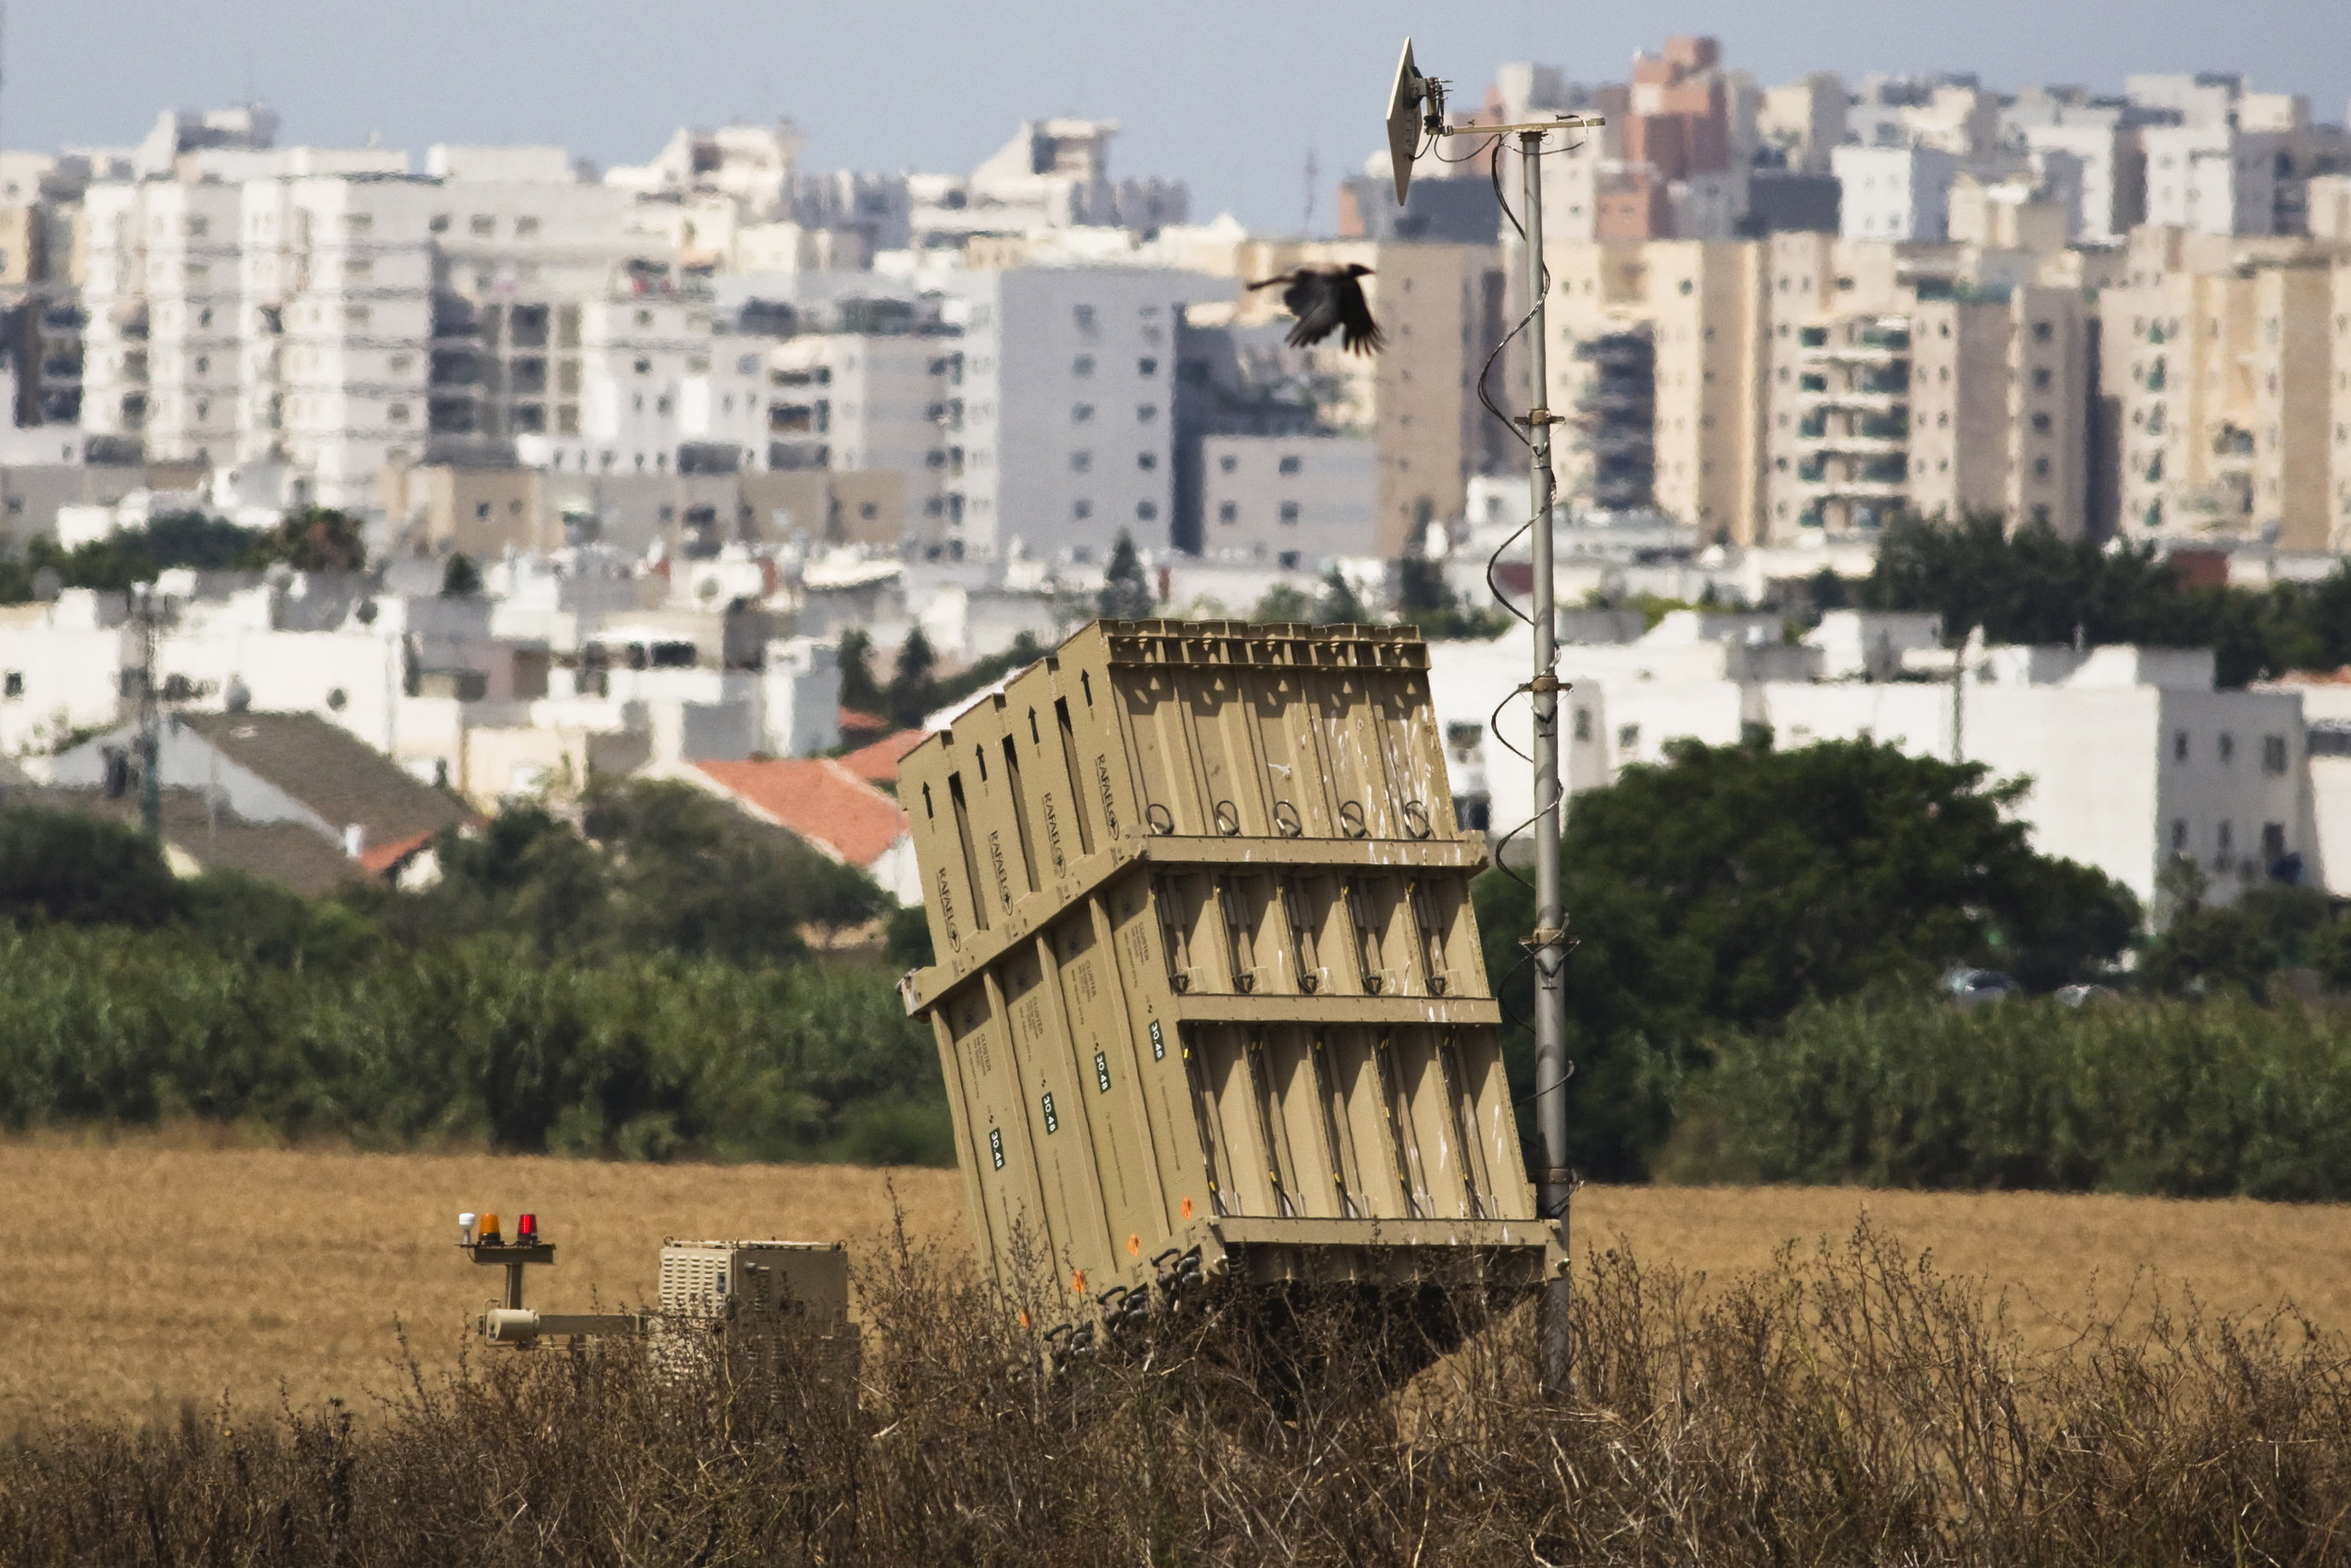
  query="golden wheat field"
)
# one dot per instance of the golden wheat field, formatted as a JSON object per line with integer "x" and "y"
{"x": 138, "y": 1274}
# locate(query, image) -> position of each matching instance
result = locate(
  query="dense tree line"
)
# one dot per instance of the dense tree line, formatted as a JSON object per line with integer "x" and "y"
{"x": 2213, "y": 1098}
{"x": 2029, "y": 586}
{"x": 315, "y": 540}
{"x": 636, "y": 985}
{"x": 1756, "y": 931}
{"x": 1729, "y": 885}
{"x": 1754, "y": 988}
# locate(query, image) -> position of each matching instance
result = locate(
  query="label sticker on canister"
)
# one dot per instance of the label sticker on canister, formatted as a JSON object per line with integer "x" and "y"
{"x": 1052, "y": 1121}
{"x": 1158, "y": 1044}
{"x": 1101, "y": 1072}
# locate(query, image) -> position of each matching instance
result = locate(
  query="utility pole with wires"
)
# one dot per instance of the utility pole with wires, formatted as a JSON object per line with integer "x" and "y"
{"x": 1417, "y": 111}
{"x": 145, "y": 612}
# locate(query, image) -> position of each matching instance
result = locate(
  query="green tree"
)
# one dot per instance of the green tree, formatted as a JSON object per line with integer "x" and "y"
{"x": 1282, "y": 606}
{"x": 1126, "y": 592}
{"x": 461, "y": 578}
{"x": 2027, "y": 585}
{"x": 1337, "y": 604}
{"x": 1424, "y": 600}
{"x": 913, "y": 693}
{"x": 1730, "y": 885}
{"x": 654, "y": 867}
{"x": 694, "y": 876}
{"x": 319, "y": 539}
{"x": 2241, "y": 945}
{"x": 860, "y": 692}
{"x": 84, "y": 871}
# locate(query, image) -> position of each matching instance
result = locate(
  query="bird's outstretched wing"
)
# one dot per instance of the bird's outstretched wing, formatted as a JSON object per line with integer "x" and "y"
{"x": 1313, "y": 299}
{"x": 1325, "y": 301}
{"x": 1357, "y": 329}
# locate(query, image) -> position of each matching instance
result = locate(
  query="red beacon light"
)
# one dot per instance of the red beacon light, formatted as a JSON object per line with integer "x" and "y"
{"x": 526, "y": 1230}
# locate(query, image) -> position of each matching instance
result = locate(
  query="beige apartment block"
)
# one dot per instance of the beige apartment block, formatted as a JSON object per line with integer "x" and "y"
{"x": 1436, "y": 303}
{"x": 1695, "y": 310}
{"x": 1908, "y": 378}
{"x": 2338, "y": 536}
{"x": 2225, "y": 364}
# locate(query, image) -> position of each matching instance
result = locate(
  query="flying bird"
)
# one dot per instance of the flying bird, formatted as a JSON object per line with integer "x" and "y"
{"x": 1326, "y": 298}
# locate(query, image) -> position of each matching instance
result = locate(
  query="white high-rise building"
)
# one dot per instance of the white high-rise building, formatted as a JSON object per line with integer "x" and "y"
{"x": 162, "y": 293}
{"x": 1069, "y": 407}
{"x": 1898, "y": 194}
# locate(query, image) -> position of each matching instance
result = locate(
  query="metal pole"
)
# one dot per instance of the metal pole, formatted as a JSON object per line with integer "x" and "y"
{"x": 1550, "y": 934}
{"x": 151, "y": 727}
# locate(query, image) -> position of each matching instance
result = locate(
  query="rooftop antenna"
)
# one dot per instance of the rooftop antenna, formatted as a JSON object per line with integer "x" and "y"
{"x": 1416, "y": 124}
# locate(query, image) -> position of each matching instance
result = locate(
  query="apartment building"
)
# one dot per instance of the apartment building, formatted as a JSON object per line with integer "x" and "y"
{"x": 2225, "y": 365}
{"x": 885, "y": 402}
{"x": 1293, "y": 502}
{"x": 1896, "y": 382}
{"x": 1895, "y": 195}
{"x": 1659, "y": 349}
{"x": 1067, "y": 417}
{"x": 163, "y": 295}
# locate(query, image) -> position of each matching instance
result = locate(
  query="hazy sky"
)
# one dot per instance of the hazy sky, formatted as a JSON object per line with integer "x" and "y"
{"x": 1230, "y": 96}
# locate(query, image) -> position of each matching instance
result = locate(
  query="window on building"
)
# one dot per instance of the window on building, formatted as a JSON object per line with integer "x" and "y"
{"x": 438, "y": 223}
{"x": 397, "y": 413}
{"x": 1227, "y": 465}
{"x": 2180, "y": 835}
{"x": 483, "y": 224}
{"x": 1628, "y": 738}
{"x": 2041, "y": 423}
{"x": 1083, "y": 365}
{"x": 1291, "y": 464}
{"x": 1146, "y": 367}
{"x": 482, "y": 511}
{"x": 525, "y": 227}
{"x": 2179, "y": 745}
{"x": 1082, "y": 462}
{"x": 1146, "y": 413}
{"x": 2228, "y": 748}
{"x": 2224, "y": 845}
{"x": 1081, "y": 509}
{"x": 1290, "y": 513}
{"x": 2272, "y": 844}
{"x": 1584, "y": 724}
{"x": 12, "y": 685}
{"x": 1083, "y": 315}
{"x": 1146, "y": 511}
{"x": 1146, "y": 461}
{"x": 1228, "y": 512}
{"x": 2040, "y": 379}
{"x": 2273, "y": 754}
{"x": 2041, "y": 332}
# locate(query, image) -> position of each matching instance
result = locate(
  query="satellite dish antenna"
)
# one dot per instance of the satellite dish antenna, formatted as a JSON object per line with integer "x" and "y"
{"x": 1416, "y": 104}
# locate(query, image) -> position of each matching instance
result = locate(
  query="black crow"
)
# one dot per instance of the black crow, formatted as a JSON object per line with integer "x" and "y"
{"x": 1327, "y": 298}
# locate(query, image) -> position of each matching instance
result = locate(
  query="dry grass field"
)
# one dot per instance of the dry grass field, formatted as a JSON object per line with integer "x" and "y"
{"x": 143, "y": 1273}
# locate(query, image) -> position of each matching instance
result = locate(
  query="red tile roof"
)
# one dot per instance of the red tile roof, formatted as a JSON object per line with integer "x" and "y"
{"x": 2337, "y": 677}
{"x": 382, "y": 860}
{"x": 821, "y": 802}
{"x": 878, "y": 763}
{"x": 857, "y": 726}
